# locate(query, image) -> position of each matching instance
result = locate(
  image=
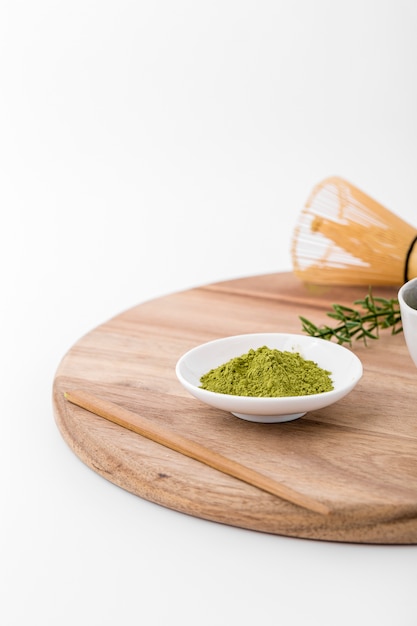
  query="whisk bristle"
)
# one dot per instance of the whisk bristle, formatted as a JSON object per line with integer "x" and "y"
{"x": 345, "y": 237}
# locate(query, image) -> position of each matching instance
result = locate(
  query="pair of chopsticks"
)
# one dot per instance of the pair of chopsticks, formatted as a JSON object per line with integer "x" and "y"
{"x": 142, "y": 426}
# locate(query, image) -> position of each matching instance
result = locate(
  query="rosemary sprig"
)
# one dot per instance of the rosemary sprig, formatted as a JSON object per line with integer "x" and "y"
{"x": 376, "y": 314}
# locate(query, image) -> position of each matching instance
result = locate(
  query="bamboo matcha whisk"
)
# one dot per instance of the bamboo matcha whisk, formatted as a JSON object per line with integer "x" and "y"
{"x": 344, "y": 237}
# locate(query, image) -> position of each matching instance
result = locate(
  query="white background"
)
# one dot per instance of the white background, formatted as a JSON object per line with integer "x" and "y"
{"x": 147, "y": 147}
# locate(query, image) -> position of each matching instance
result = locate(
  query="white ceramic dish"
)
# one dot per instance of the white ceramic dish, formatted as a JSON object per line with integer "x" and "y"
{"x": 407, "y": 298}
{"x": 345, "y": 367}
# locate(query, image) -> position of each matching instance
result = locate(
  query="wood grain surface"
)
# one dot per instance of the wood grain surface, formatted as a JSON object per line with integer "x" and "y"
{"x": 358, "y": 456}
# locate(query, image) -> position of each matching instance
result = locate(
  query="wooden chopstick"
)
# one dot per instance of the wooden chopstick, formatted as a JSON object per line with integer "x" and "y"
{"x": 142, "y": 426}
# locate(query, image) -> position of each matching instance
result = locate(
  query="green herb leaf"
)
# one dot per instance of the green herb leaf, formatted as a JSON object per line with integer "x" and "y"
{"x": 375, "y": 313}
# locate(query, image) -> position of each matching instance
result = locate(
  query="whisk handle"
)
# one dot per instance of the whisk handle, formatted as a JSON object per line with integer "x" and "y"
{"x": 407, "y": 259}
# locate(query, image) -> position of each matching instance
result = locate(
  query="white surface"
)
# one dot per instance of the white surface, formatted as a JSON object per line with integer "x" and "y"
{"x": 146, "y": 147}
{"x": 344, "y": 366}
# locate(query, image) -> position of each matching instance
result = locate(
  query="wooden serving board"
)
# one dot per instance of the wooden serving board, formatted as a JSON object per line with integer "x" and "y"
{"x": 358, "y": 456}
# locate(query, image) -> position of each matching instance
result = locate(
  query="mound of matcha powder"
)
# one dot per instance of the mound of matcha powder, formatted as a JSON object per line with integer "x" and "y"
{"x": 267, "y": 372}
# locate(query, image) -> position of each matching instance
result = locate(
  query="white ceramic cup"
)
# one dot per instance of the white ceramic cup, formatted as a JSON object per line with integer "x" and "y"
{"x": 407, "y": 298}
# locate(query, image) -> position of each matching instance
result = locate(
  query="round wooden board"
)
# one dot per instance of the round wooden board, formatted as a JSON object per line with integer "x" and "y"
{"x": 359, "y": 456}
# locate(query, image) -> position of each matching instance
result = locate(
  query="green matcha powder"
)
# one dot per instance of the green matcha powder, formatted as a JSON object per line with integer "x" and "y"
{"x": 267, "y": 372}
